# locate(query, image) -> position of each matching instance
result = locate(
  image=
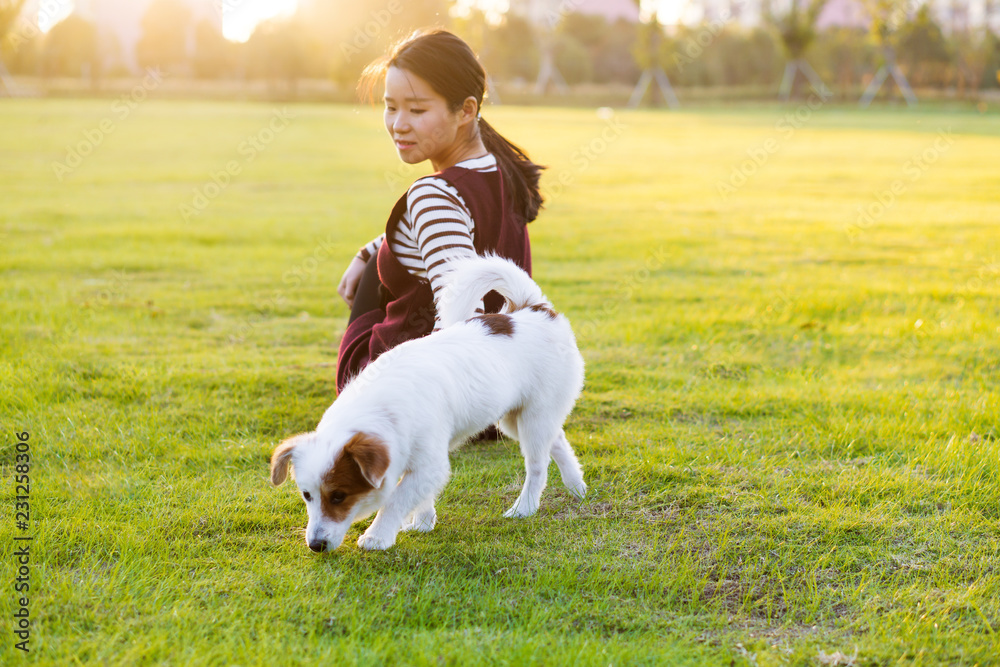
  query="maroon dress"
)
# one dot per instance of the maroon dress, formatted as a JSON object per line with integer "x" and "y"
{"x": 410, "y": 312}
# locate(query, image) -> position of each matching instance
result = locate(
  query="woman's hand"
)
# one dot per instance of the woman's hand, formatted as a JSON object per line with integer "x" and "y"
{"x": 348, "y": 286}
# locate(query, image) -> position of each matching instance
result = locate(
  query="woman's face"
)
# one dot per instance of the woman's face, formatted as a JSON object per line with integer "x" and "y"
{"x": 419, "y": 122}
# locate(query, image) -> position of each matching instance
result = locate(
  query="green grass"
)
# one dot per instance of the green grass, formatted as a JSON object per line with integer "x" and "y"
{"x": 789, "y": 426}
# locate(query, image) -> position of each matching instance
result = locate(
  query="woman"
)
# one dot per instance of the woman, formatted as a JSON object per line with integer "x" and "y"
{"x": 482, "y": 194}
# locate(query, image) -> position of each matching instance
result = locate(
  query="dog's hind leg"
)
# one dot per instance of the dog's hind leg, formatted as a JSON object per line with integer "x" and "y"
{"x": 536, "y": 438}
{"x": 569, "y": 467}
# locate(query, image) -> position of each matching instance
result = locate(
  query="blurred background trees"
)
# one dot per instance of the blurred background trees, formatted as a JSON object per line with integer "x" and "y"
{"x": 165, "y": 33}
{"x": 333, "y": 40}
{"x": 71, "y": 49}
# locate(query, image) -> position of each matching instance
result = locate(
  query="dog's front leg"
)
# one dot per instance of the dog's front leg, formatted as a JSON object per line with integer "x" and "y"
{"x": 411, "y": 494}
{"x": 423, "y": 518}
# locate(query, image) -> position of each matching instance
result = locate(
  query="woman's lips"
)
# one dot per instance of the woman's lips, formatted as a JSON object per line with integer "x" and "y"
{"x": 405, "y": 145}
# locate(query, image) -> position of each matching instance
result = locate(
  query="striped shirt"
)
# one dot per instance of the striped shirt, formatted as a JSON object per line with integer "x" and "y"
{"x": 435, "y": 228}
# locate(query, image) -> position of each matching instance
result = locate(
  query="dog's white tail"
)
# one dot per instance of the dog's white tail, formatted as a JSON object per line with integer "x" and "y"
{"x": 472, "y": 278}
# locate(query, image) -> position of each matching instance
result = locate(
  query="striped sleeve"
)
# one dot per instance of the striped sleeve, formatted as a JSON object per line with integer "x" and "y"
{"x": 442, "y": 228}
{"x": 371, "y": 248}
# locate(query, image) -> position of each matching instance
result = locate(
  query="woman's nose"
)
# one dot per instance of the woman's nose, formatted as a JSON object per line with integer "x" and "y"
{"x": 400, "y": 123}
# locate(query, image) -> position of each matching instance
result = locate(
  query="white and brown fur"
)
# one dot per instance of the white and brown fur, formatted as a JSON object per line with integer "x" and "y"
{"x": 383, "y": 445}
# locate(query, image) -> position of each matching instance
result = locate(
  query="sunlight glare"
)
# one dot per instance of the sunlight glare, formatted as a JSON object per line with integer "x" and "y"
{"x": 52, "y": 12}
{"x": 670, "y": 12}
{"x": 493, "y": 10}
{"x": 240, "y": 17}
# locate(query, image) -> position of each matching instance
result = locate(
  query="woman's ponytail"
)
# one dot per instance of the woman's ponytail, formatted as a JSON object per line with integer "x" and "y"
{"x": 519, "y": 173}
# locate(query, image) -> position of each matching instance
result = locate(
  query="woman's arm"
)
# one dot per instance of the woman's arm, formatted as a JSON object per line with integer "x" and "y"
{"x": 370, "y": 249}
{"x": 348, "y": 286}
{"x": 443, "y": 229}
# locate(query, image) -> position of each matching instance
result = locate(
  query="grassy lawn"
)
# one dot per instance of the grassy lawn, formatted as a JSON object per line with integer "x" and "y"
{"x": 791, "y": 319}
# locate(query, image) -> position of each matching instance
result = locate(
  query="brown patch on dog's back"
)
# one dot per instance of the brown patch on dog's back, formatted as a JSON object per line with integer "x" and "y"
{"x": 363, "y": 461}
{"x": 498, "y": 324}
{"x": 542, "y": 308}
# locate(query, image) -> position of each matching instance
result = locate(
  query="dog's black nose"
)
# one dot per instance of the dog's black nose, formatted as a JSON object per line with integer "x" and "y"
{"x": 318, "y": 545}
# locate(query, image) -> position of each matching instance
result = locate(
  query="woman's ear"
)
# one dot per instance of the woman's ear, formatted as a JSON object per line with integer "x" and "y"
{"x": 469, "y": 110}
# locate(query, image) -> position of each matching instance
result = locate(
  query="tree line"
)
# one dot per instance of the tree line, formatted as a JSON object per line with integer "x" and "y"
{"x": 334, "y": 40}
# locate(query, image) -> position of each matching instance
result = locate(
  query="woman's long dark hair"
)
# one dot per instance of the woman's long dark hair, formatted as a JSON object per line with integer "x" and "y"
{"x": 451, "y": 68}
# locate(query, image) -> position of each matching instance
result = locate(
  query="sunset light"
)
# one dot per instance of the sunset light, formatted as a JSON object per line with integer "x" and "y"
{"x": 239, "y": 17}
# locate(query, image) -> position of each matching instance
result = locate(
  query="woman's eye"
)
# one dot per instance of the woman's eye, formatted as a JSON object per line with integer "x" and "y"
{"x": 417, "y": 111}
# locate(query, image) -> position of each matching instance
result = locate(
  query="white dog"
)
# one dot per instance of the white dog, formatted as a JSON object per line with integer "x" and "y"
{"x": 383, "y": 445}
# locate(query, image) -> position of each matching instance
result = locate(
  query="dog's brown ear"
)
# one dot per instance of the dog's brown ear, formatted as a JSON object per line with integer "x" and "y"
{"x": 282, "y": 456}
{"x": 371, "y": 455}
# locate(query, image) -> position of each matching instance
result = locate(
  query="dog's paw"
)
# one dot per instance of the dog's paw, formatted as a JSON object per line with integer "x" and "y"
{"x": 578, "y": 490}
{"x": 422, "y": 524}
{"x": 520, "y": 510}
{"x": 375, "y": 542}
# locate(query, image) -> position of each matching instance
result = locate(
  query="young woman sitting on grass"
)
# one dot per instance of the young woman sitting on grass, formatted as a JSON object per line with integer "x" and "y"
{"x": 483, "y": 193}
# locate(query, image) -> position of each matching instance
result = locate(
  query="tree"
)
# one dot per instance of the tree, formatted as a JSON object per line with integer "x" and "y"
{"x": 605, "y": 48}
{"x": 612, "y": 60}
{"x": 887, "y": 16}
{"x": 9, "y": 11}
{"x": 973, "y": 53}
{"x": 797, "y": 30}
{"x": 340, "y": 37}
{"x": 513, "y": 51}
{"x": 276, "y": 52}
{"x": 844, "y": 54}
{"x": 650, "y": 53}
{"x": 71, "y": 49}
{"x": 991, "y": 69}
{"x": 214, "y": 55}
{"x": 164, "y": 42}
{"x": 922, "y": 49}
